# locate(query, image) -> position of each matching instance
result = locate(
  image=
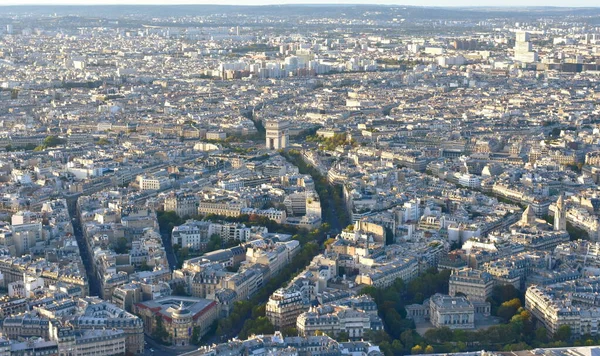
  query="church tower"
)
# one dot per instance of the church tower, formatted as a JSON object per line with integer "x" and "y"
{"x": 560, "y": 222}
{"x": 528, "y": 217}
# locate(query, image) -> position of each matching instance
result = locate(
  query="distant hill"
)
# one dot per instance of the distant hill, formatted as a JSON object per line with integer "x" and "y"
{"x": 325, "y": 10}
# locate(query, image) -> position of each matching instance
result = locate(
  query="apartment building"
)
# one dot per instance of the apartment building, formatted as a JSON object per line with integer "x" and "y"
{"x": 284, "y": 307}
{"x": 182, "y": 204}
{"x": 474, "y": 284}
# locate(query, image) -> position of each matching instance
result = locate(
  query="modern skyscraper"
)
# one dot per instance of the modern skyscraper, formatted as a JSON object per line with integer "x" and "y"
{"x": 523, "y": 49}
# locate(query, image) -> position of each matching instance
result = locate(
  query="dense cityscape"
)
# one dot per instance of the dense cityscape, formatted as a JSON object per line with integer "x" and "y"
{"x": 299, "y": 180}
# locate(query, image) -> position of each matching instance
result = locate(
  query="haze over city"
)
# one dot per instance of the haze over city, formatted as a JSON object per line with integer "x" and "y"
{"x": 441, "y": 3}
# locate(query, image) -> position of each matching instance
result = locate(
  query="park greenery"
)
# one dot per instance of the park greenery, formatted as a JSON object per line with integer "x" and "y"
{"x": 50, "y": 141}
{"x": 329, "y": 143}
{"x": 518, "y": 330}
{"x": 402, "y": 64}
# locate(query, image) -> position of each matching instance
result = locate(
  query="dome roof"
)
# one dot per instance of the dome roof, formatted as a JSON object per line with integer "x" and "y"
{"x": 181, "y": 312}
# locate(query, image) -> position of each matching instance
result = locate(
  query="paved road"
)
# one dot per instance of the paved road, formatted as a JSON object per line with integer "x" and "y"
{"x": 152, "y": 348}
{"x": 93, "y": 281}
{"x": 171, "y": 258}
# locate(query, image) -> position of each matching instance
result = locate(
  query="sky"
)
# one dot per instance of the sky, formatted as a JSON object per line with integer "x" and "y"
{"x": 505, "y": 3}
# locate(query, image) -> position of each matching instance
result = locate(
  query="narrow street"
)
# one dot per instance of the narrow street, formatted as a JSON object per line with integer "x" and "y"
{"x": 93, "y": 281}
{"x": 171, "y": 258}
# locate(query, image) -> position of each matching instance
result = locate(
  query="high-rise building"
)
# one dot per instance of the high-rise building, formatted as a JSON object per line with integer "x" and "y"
{"x": 523, "y": 49}
{"x": 277, "y": 134}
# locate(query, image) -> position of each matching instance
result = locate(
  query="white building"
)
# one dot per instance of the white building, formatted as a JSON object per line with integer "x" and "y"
{"x": 523, "y": 50}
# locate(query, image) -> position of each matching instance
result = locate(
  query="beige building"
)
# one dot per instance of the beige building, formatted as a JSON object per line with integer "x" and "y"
{"x": 225, "y": 208}
{"x": 283, "y": 308}
{"x": 451, "y": 312}
{"x": 182, "y": 204}
{"x": 383, "y": 276}
{"x": 333, "y": 320}
{"x": 554, "y": 308}
{"x": 474, "y": 284}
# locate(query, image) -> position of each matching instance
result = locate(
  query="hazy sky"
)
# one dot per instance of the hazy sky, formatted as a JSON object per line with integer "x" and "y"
{"x": 579, "y": 3}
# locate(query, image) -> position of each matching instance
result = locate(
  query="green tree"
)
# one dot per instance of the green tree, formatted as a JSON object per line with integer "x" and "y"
{"x": 377, "y": 337}
{"x": 509, "y": 308}
{"x": 563, "y": 333}
{"x": 342, "y": 336}
{"x": 179, "y": 290}
{"x": 397, "y": 347}
{"x": 195, "y": 335}
{"x": 183, "y": 254}
{"x": 439, "y": 335}
{"x": 120, "y": 246}
{"x": 214, "y": 243}
{"x": 541, "y": 335}
{"x": 290, "y": 331}
{"x": 145, "y": 267}
{"x": 387, "y": 349}
{"x": 408, "y": 339}
{"x": 167, "y": 220}
{"x": 53, "y": 141}
{"x": 501, "y": 294}
{"x": 159, "y": 334}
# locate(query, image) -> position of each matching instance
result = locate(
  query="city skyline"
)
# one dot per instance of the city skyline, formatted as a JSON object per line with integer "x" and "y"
{"x": 332, "y": 180}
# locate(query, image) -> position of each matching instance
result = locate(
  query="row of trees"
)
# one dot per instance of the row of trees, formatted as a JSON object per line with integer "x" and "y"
{"x": 167, "y": 220}
{"x": 49, "y": 141}
{"x": 248, "y": 317}
{"x": 332, "y": 200}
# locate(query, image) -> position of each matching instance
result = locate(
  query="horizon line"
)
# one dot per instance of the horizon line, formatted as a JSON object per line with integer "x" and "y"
{"x": 88, "y": 4}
